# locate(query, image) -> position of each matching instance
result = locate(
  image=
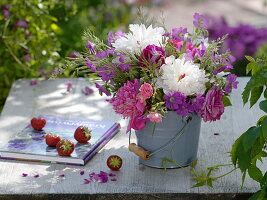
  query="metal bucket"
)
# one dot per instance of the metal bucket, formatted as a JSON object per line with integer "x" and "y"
{"x": 165, "y": 141}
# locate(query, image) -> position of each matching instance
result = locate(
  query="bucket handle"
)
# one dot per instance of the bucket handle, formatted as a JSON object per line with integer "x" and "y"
{"x": 145, "y": 155}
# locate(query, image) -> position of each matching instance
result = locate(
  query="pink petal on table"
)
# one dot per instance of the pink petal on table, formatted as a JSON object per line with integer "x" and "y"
{"x": 87, "y": 91}
{"x": 92, "y": 174}
{"x": 69, "y": 86}
{"x": 111, "y": 174}
{"x": 33, "y": 83}
{"x": 82, "y": 172}
{"x": 103, "y": 173}
{"x": 24, "y": 174}
{"x": 86, "y": 181}
{"x": 36, "y": 176}
{"x": 113, "y": 179}
{"x": 103, "y": 178}
{"x": 61, "y": 176}
{"x": 216, "y": 133}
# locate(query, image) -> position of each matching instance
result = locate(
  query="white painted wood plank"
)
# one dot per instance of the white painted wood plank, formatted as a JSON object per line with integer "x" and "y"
{"x": 27, "y": 101}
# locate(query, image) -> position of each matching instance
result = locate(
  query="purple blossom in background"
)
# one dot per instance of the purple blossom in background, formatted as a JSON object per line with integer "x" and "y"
{"x": 105, "y": 73}
{"x": 69, "y": 86}
{"x": 242, "y": 39}
{"x": 200, "y": 21}
{"x": 22, "y": 24}
{"x": 178, "y": 33}
{"x": 32, "y": 83}
{"x": 73, "y": 54}
{"x": 90, "y": 64}
{"x": 5, "y": 11}
{"x": 174, "y": 99}
{"x": 110, "y": 38}
{"x": 90, "y": 47}
{"x": 87, "y": 91}
{"x": 232, "y": 83}
{"x": 102, "y": 89}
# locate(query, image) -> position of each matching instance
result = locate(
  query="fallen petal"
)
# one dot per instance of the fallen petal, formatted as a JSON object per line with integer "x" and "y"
{"x": 36, "y": 176}
{"x": 216, "y": 133}
{"x": 82, "y": 172}
{"x": 24, "y": 174}
{"x": 86, "y": 181}
{"x": 103, "y": 173}
{"x": 113, "y": 179}
{"x": 103, "y": 179}
{"x": 33, "y": 83}
{"x": 111, "y": 174}
{"x": 61, "y": 176}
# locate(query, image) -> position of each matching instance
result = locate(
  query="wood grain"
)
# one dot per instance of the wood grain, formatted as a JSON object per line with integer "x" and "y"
{"x": 48, "y": 98}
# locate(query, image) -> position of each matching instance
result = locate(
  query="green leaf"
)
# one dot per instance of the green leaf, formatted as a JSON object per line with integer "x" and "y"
{"x": 209, "y": 182}
{"x": 199, "y": 184}
{"x": 256, "y": 196}
{"x": 243, "y": 178}
{"x": 255, "y": 173}
{"x": 250, "y": 136}
{"x": 263, "y": 181}
{"x": 255, "y": 95}
{"x": 226, "y": 101}
{"x": 263, "y": 105}
{"x": 265, "y": 93}
{"x": 260, "y": 120}
{"x": 264, "y": 128}
{"x": 249, "y": 58}
{"x": 251, "y": 67}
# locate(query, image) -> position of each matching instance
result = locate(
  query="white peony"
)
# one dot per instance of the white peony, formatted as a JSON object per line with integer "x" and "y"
{"x": 138, "y": 38}
{"x": 183, "y": 76}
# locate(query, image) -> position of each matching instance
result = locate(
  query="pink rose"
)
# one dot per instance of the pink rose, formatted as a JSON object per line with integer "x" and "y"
{"x": 213, "y": 106}
{"x": 146, "y": 90}
{"x": 154, "y": 117}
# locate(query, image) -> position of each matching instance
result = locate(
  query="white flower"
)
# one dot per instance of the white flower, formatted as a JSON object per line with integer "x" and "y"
{"x": 138, "y": 38}
{"x": 183, "y": 76}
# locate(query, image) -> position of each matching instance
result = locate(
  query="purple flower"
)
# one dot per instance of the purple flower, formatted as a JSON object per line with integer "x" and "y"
{"x": 90, "y": 47}
{"x": 73, "y": 54}
{"x": 106, "y": 73}
{"x": 24, "y": 175}
{"x": 174, "y": 99}
{"x": 196, "y": 104}
{"x": 69, "y": 86}
{"x": 232, "y": 83}
{"x": 21, "y": 23}
{"x": 82, "y": 172}
{"x": 102, "y": 89}
{"x": 104, "y": 54}
{"x": 220, "y": 69}
{"x": 33, "y": 83}
{"x": 178, "y": 33}
{"x": 213, "y": 106}
{"x": 152, "y": 55}
{"x": 90, "y": 64}
{"x": 86, "y": 181}
{"x": 87, "y": 91}
{"x": 200, "y": 21}
{"x": 110, "y": 38}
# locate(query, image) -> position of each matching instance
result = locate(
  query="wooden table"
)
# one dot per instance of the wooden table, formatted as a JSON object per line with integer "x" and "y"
{"x": 134, "y": 181}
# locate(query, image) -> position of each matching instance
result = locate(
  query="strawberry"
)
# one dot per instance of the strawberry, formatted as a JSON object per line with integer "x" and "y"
{"x": 38, "y": 123}
{"x": 82, "y": 134}
{"x": 65, "y": 147}
{"x": 52, "y": 140}
{"x": 114, "y": 162}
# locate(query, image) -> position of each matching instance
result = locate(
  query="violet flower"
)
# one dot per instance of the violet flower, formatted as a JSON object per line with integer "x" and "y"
{"x": 232, "y": 83}
{"x": 22, "y": 24}
{"x": 90, "y": 47}
{"x": 102, "y": 89}
{"x": 200, "y": 21}
{"x": 178, "y": 33}
{"x": 174, "y": 99}
{"x": 90, "y": 64}
{"x": 69, "y": 86}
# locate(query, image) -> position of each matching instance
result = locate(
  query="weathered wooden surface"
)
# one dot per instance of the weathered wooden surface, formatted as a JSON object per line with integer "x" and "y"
{"x": 47, "y": 98}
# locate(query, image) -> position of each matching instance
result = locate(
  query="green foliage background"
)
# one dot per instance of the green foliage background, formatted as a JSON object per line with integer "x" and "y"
{"x": 54, "y": 29}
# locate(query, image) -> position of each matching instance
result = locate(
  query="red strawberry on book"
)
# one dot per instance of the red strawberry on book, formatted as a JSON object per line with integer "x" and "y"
{"x": 52, "y": 140}
{"x": 82, "y": 134}
{"x": 38, "y": 123}
{"x": 114, "y": 162}
{"x": 65, "y": 147}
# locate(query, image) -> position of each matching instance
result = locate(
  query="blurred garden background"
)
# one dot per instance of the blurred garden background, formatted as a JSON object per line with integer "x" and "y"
{"x": 36, "y": 36}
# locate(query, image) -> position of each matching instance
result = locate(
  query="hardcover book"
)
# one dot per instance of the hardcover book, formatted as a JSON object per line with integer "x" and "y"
{"x": 30, "y": 145}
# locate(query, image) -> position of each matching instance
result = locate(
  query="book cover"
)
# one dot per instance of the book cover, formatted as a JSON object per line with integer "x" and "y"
{"x": 30, "y": 145}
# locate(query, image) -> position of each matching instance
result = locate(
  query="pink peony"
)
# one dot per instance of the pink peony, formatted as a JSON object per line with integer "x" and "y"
{"x": 152, "y": 55}
{"x": 213, "y": 106}
{"x": 136, "y": 123}
{"x": 154, "y": 117}
{"x": 126, "y": 103}
{"x": 146, "y": 90}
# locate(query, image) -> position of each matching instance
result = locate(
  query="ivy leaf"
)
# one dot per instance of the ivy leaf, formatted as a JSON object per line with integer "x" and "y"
{"x": 264, "y": 128}
{"x": 250, "y": 136}
{"x": 249, "y": 58}
{"x": 255, "y": 173}
{"x": 255, "y": 95}
{"x": 263, "y": 105}
{"x": 226, "y": 101}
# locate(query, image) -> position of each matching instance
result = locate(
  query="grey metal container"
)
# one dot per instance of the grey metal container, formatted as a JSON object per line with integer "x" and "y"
{"x": 182, "y": 150}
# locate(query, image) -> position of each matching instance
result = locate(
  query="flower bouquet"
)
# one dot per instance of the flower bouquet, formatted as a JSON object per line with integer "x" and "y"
{"x": 150, "y": 72}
